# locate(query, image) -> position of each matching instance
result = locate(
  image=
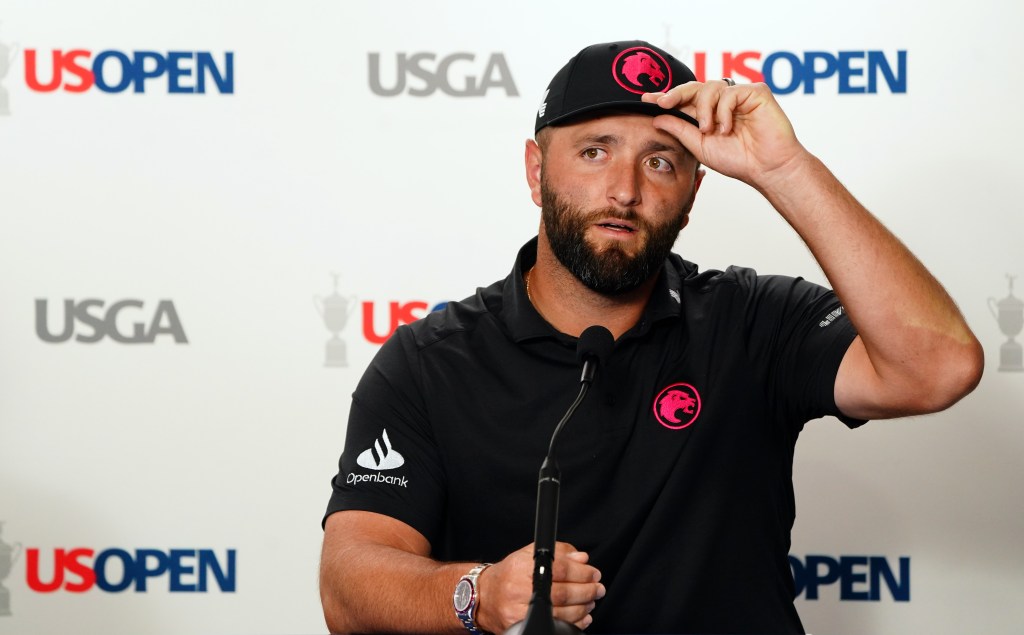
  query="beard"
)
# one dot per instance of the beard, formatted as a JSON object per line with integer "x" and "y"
{"x": 608, "y": 271}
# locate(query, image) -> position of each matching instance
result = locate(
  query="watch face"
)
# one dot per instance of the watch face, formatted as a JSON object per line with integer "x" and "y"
{"x": 463, "y": 595}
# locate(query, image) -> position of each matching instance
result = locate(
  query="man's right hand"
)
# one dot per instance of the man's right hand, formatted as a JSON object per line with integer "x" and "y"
{"x": 506, "y": 588}
{"x": 377, "y": 576}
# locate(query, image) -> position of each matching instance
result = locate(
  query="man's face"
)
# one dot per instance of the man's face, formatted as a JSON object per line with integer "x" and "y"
{"x": 614, "y": 193}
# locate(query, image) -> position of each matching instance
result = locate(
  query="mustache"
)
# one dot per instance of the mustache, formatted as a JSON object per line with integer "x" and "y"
{"x": 629, "y": 215}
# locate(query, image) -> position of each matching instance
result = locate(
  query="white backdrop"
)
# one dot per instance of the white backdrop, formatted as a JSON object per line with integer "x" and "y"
{"x": 239, "y": 209}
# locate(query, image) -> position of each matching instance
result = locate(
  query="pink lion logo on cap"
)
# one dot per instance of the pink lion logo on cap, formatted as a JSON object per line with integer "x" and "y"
{"x": 630, "y": 64}
{"x": 677, "y": 406}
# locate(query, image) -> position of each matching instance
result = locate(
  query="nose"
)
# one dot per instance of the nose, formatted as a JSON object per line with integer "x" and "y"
{"x": 624, "y": 186}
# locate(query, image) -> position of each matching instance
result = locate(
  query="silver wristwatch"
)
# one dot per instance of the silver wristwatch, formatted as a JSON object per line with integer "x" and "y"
{"x": 467, "y": 598}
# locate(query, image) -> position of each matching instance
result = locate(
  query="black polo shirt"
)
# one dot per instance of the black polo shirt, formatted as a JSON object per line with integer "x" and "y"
{"x": 676, "y": 469}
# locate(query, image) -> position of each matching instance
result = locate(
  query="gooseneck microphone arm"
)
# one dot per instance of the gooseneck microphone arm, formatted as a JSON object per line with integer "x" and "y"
{"x": 593, "y": 347}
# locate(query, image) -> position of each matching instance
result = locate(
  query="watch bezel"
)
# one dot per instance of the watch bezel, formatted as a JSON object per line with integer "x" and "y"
{"x": 469, "y": 593}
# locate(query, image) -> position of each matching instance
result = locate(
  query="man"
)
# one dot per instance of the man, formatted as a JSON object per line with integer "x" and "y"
{"x": 677, "y": 500}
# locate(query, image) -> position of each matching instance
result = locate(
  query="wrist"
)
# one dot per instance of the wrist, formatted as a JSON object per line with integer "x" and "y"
{"x": 792, "y": 168}
{"x": 466, "y": 599}
{"x": 802, "y": 178}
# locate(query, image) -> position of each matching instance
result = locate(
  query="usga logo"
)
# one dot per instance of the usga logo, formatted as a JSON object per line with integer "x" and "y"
{"x": 100, "y": 321}
{"x": 457, "y": 75}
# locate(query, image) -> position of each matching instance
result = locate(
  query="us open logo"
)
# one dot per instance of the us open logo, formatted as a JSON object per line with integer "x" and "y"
{"x": 677, "y": 406}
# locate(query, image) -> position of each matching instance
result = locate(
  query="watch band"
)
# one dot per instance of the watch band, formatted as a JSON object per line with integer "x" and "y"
{"x": 466, "y": 598}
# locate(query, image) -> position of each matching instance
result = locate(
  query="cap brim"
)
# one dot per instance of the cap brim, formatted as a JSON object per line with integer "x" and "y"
{"x": 632, "y": 106}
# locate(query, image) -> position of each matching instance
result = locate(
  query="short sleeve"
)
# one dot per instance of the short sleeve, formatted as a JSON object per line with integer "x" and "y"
{"x": 802, "y": 331}
{"x": 390, "y": 464}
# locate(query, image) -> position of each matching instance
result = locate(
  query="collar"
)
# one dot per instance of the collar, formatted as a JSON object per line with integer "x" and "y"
{"x": 524, "y": 322}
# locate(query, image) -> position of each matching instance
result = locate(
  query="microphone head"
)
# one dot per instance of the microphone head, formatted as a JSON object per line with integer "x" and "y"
{"x": 595, "y": 341}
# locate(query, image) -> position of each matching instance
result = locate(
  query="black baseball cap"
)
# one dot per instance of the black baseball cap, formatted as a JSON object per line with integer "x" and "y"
{"x": 613, "y": 75}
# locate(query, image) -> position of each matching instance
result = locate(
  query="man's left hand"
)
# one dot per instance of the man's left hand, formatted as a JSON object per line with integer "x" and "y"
{"x": 743, "y": 132}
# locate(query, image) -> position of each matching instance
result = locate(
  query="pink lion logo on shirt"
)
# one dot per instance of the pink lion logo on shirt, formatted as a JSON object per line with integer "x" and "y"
{"x": 677, "y": 406}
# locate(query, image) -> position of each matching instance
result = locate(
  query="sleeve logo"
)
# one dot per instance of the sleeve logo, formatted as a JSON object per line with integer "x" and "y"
{"x": 830, "y": 318}
{"x": 381, "y": 456}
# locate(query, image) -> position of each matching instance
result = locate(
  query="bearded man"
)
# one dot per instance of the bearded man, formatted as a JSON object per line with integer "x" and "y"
{"x": 678, "y": 499}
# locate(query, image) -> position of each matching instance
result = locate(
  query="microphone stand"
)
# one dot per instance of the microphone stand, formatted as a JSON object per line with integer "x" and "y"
{"x": 539, "y": 616}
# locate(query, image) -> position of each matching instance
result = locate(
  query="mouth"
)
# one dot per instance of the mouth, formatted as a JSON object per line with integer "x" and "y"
{"x": 617, "y": 226}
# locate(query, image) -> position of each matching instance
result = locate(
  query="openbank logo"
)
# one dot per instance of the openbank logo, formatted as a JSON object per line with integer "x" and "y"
{"x": 860, "y": 578}
{"x": 456, "y": 74}
{"x": 90, "y": 320}
{"x": 381, "y": 456}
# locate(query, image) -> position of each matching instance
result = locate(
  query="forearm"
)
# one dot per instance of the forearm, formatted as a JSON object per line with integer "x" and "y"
{"x": 914, "y": 335}
{"x": 376, "y": 575}
{"x": 915, "y": 353}
{"x": 369, "y": 588}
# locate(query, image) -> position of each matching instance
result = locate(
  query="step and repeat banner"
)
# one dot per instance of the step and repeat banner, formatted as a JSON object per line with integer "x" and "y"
{"x": 212, "y": 214}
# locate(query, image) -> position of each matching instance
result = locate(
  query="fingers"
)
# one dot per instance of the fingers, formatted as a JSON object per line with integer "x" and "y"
{"x": 506, "y": 588}
{"x": 577, "y": 615}
{"x": 714, "y": 107}
{"x": 571, "y": 594}
{"x": 725, "y": 108}
{"x": 742, "y": 131}
{"x": 711, "y": 103}
{"x": 576, "y": 586}
{"x": 685, "y": 132}
{"x": 572, "y": 602}
{"x": 572, "y": 566}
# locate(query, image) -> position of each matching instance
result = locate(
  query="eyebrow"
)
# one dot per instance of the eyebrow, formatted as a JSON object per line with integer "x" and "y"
{"x": 652, "y": 145}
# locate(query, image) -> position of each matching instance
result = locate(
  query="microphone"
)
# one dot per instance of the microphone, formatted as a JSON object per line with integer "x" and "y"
{"x": 593, "y": 348}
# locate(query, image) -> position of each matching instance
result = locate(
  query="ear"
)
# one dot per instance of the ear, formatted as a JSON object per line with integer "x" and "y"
{"x": 534, "y": 159}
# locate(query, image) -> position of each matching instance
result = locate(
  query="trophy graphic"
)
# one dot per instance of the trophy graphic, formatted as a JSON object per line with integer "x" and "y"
{"x": 8, "y": 555}
{"x": 335, "y": 311}
{"x": 1009, "y": 314}
{"x": 7, "y": 55}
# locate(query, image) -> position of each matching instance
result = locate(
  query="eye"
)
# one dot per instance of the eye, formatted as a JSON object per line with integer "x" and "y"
{"x": 659, "y": 164}
{"x": 593, "y": 153}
